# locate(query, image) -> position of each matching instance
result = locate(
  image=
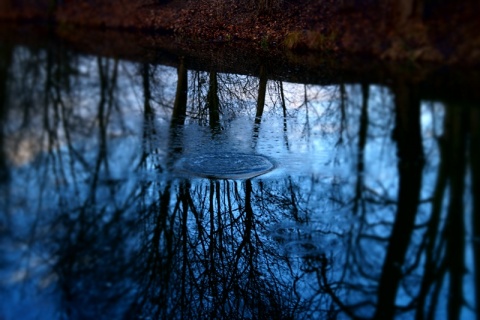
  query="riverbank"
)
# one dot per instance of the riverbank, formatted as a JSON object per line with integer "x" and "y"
{"x": 447, "y": 35}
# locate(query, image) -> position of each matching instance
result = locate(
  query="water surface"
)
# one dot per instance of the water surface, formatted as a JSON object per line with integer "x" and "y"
{"x": 132, "y": 190}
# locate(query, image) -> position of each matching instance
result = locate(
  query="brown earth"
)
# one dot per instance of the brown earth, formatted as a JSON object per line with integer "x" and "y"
{"x": 448, "y": 35}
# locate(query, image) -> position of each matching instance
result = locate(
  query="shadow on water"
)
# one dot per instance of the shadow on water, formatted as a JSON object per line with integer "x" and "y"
{"x": 114, "y": 204}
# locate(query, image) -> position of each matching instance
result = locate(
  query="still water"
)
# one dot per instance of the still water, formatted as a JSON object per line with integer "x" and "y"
{"x": 133, "y": 190}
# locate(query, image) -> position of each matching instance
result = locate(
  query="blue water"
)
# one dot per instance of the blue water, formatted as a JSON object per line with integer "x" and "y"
{"x": 115, "y": 207}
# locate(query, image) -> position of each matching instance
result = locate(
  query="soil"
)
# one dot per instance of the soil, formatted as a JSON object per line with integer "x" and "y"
{"x": 447, "y": 35}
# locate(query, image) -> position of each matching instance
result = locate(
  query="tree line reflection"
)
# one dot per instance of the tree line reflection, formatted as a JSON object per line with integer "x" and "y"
{"x": 381, "y": 222}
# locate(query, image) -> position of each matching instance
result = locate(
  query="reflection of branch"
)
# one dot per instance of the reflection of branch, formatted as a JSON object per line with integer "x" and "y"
{"x": 431, "y": 261}
{"x": 440, "y": 275}
{"x": 323, "y": 282}
{"x": 107, "y": 86}
{"x": 226, "y": 253}
{"x": 451, "y": 240}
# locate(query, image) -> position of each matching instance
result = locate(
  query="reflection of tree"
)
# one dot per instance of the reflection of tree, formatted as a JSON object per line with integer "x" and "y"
{"x": 419, "y": 250}
{"x": 284, "y": 112}
{"x": 5, "y": 62}
{"x": 445, "y": 256}
{"x": 213, "y": 104}
{"x": 362, "y": 140}
{"x": 410, "y": 165}
{"x": 105, "y": 104}
{"x": 475, "y": 172}
{"x": 455, "y": 230}
{"x": 148, "y": 116}
{"x": 434, "y": 267}
{"x": 203, "y": 255}
{"x": 206, "y": 256}
{"x": 180, "y": 105}
{"x": 88, "y": 229}
{"x": 67, "y": 218}
{"x": 179, "y": 113}
{"x": 5, "y": 176}
{"x": 262, "y": 91}
{"x": 161, "y": 246}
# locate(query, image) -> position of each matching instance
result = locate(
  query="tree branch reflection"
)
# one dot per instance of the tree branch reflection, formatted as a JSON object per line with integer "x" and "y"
{"x": 351, "y": 224}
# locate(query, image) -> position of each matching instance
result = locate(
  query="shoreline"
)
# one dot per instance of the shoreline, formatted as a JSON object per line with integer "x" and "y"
{"x": 303, "y": 27}
{"x": 436, "y": 81}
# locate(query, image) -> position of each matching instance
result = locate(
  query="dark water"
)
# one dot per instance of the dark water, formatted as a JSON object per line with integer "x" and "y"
{"x": 143, "y": 191}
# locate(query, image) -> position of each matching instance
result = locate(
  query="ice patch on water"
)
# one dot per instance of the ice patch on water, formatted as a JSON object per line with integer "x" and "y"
{"x": 224, "y": 165}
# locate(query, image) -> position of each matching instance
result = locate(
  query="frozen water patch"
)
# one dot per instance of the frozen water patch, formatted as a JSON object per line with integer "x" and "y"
{"x": 225, "y": 165}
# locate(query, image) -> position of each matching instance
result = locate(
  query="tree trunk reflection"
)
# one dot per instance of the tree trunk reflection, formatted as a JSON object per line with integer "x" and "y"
{"x": 178, "y": 115}
{"x": 362, "y": 140}
{"x": 455, "y": 134}
{"x": 410, "y": 165}
{"x": 475, "y": 172}
{"x": 5, "y": 64}
{"x": 180, "y": 105}
{"x": 213, "y": 103}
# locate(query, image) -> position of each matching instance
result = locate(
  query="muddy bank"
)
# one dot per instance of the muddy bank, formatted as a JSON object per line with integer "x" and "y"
{"x": 446, "y": 35}
{"x": 435, "y": 81}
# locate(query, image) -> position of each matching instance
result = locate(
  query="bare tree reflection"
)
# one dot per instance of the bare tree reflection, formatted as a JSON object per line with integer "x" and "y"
{"x": 213, "y": 103}
{"x": 362, "y": 140}
{"x": 88, "y": 230}
{"x": 179, "y": 114}
{"x": 207, "y": 257}
{"x": 475, "y": 172}
{"x": 148, "y": 117}
{"x": 5, "y": 63}
{"x": 284, "y": 112}
{"x": 410, "y": 165}
{"x": 417, "y": 245}
{"x": 202, "y": 254}
{"x": 118, "y": 233}
{"x": 445, "y": 256}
